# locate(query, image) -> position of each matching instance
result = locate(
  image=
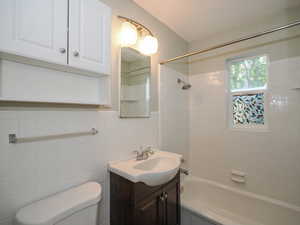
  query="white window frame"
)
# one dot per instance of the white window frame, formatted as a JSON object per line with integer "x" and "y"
{"x": 264, "y": 90}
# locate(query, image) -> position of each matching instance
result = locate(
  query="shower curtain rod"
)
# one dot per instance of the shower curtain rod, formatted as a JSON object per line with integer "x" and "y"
{"x": 233, "y": 42}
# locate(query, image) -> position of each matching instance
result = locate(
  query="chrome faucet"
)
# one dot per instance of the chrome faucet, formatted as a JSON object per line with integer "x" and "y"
{"x": 144, "y": 153}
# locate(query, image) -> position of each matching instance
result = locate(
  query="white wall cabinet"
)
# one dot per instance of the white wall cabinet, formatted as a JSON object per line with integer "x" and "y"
{"x": 89, "y": 39}
{"x": 71, "y": 39}
{"x": 73, "y": 33}
{"x": 35, "y": 28}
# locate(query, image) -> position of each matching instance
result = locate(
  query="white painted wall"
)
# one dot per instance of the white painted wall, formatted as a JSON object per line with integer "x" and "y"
{"x": 31, "y": 171}
{"x": 270, "y": 159}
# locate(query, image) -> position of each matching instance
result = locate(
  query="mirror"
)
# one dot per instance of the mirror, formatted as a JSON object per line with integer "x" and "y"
{"x": 134, "y": 84}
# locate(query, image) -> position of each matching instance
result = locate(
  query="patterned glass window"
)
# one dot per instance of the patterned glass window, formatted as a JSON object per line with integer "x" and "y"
{"x": 248, "y": 109}
{"x": 248, "y": 84}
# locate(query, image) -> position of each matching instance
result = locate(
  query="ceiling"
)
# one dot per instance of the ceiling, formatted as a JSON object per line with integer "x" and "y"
{"x": 198, "y": 19}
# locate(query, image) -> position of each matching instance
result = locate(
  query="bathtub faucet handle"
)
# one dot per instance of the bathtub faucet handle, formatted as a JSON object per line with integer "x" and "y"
{"x": 184, "y": 171}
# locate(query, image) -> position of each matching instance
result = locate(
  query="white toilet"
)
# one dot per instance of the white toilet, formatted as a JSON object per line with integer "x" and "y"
{"x": 76, "y": 206}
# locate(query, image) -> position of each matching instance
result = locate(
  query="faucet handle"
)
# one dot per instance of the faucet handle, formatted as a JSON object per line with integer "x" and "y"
{"x": 149, "y": 149}
{"x": 139, "y": 155}
{"x": 136, "y": 152}
{"x": 151, "y": 152}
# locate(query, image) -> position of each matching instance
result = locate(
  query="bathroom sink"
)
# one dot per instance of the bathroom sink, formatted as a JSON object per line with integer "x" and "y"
{"x": 157, "y": 164}
{"x": 158, "y": 169}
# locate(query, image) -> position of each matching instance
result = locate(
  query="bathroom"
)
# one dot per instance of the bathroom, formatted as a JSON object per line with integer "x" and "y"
{"x": 72, "y": 111}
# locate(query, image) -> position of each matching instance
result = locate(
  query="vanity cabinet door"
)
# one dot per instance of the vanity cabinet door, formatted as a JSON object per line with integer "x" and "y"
{"x": 89, "y": 35}
{"x": 34, "y": 28}
{"x": 150, "y": 211}
{"x": 172, "y": 204}
{"x": 139, "y": 204}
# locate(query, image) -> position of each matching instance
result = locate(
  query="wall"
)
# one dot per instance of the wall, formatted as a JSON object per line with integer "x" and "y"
{"x": 173, "y": 112}
{"x": 270, "y": 159}
{"x": 31, "y": 171}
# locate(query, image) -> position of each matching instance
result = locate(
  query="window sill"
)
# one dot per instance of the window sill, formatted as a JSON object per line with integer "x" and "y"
{"x": 249, "y": 129}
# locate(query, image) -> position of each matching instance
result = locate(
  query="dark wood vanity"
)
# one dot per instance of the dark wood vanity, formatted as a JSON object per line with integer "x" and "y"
{"x": 139, "y": 204}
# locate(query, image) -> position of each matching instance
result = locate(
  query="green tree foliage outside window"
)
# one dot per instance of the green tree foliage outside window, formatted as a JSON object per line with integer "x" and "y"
{"x": 248, "y": 73}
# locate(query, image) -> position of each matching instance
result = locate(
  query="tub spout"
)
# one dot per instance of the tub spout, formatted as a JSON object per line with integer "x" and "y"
{"x": 184, "y": 171}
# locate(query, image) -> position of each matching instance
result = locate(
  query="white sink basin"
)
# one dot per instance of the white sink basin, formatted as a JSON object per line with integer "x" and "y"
{"x": 156, "y": 170}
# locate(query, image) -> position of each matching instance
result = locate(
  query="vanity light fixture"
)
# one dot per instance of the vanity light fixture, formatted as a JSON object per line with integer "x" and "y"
{"x": 148, "y": 45}
{"x": 133, "y": 33}
{"x": 129, "y": 34}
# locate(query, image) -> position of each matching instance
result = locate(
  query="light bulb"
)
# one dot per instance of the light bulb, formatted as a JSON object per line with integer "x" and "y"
{"x": 128, "y": 34}
{"x": 148, "y": 45}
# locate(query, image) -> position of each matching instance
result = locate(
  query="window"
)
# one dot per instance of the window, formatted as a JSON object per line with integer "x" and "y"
{"x": 248, "y": 78}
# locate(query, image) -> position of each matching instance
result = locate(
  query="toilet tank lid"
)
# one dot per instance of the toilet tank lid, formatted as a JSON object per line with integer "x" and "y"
{"x": 57, "y": 207}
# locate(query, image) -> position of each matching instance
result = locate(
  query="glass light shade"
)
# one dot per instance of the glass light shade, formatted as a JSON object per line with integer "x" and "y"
{"x": 148, "y": 45}
{"x": 128, "y": 34}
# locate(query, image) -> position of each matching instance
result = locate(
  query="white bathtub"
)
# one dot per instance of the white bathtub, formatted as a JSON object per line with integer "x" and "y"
{"x": 205, "y": 202}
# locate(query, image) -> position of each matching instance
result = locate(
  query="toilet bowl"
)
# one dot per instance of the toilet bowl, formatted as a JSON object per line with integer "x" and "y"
{"x": 75, "y": 206}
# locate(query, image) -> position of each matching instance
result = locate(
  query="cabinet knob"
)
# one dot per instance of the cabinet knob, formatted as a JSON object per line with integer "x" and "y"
{"x": 62, "y": 50}
{"x": 76, "y": 53}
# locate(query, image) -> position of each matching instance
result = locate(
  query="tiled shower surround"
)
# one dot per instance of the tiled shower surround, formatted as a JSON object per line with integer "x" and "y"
{"x": 269, "y": 157}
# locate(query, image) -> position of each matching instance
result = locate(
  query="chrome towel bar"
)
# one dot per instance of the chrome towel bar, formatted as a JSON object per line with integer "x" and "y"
{"x": 13, "y": 139}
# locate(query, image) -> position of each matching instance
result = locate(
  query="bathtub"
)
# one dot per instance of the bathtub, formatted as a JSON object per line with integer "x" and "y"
{"x": 205, "y": 202}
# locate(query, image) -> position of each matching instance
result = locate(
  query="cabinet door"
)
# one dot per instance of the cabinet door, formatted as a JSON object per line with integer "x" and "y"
{"x": 150, "y": 211}
{"x": 35, "y": 28}
{"x": 89, "y": 35}
{"x": 172, "y": 204}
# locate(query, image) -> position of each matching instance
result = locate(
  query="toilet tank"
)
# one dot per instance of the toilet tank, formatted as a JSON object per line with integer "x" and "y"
{"x": 76, "y": 206}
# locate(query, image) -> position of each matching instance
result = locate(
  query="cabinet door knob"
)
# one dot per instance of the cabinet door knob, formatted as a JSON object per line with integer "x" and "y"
{"x": 62, "y": 50}
{"x": 162, "y": 198}
{"x": 76, "y": 53}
